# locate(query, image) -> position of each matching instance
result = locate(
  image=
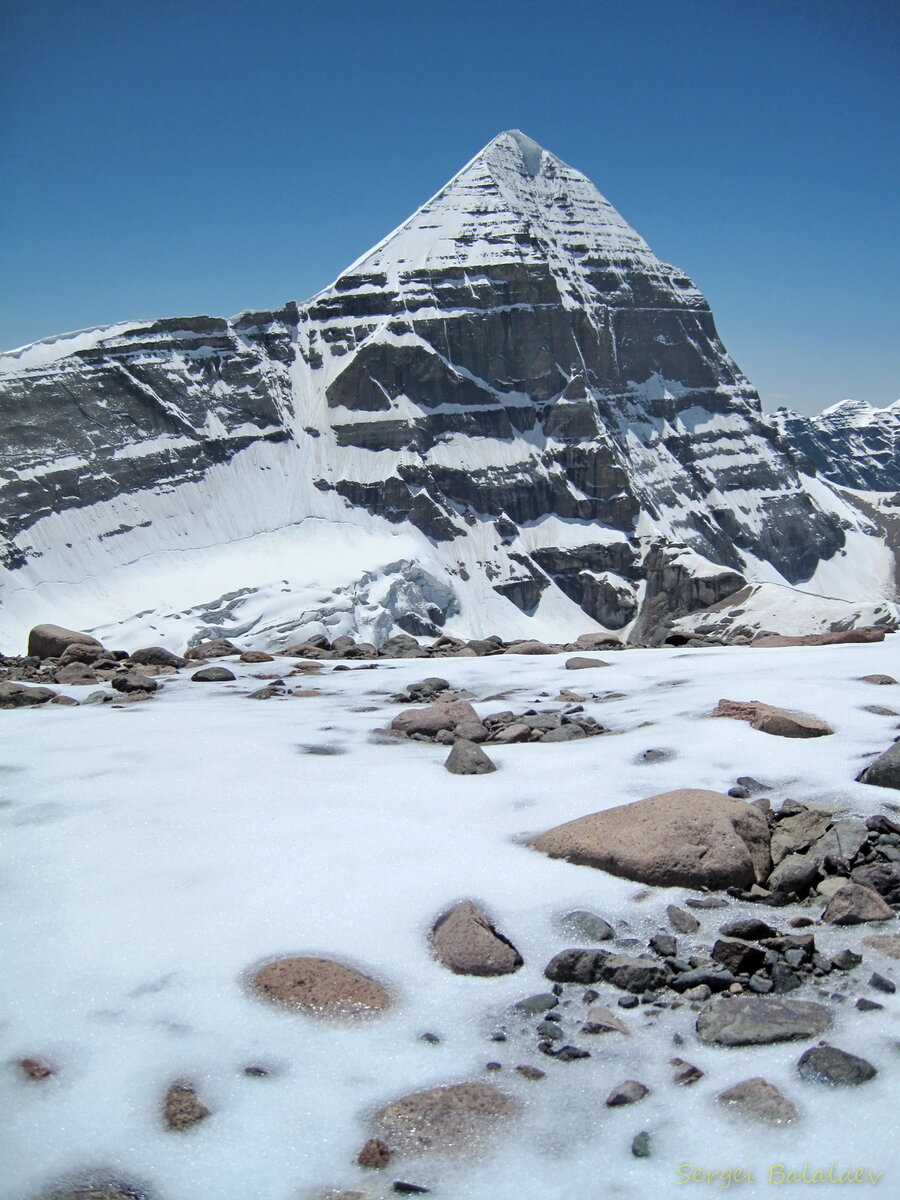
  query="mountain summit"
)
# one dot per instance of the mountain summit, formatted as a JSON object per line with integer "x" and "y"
{"x": 508, "y": 415}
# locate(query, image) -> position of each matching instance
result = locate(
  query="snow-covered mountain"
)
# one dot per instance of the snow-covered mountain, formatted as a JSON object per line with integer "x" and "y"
{"x": 509, "y": 415}
{"x": 851, "y": 443}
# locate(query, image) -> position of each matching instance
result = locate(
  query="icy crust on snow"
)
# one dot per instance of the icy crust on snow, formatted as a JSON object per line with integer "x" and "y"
{"x": 153, "y": 854}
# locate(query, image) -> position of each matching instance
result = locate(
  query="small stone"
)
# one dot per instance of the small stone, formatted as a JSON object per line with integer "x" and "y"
{"x": 255, "y": 656}
{"x": 431, "y": 1038}
{"x": 759, "y": 1099}
{"x": 769, "y": 719}
{"x": 182, "y": 1108}
{"x": 564, "y": 1053}
{"x": 681, "y": 920}
{"x": 468, "y": 758}
{"x": 603, "y": 1020}
{"x": 374, "y": 1154}
{"x": 35, "y": 1068}
{"x": 254, "y": 1072}
{"x": 706, "y": 902}
{"x": 685, "y": 1073}
{"x": 640, "y": 1145}
{"x": 529, "y": 1072}
{"x": 629, "y": 1092}
{"x": 881, "y": 680}
{"x": 465, "y": 941}
{"x": 846, "y": 960}
{"x": 828, "y": 1064}
{"x": 493, "y": 1066}
{"x": 532, "y": 1005}
{"x": 586, "y": 926}
{"x": 866, "y": 1005}
{"x": 664, "y": 944}
{"x": 628, "y": 1002}
{"x": 882, "y": 984}
{"x": 408, "y": 1189}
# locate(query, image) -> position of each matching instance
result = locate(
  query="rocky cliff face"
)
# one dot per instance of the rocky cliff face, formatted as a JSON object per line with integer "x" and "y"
{"x": 511, "y": 385}
{"x": 851, "y": 443}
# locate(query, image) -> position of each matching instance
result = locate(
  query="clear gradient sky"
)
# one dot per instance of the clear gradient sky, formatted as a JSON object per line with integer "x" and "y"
{"x": 173, "y": 157}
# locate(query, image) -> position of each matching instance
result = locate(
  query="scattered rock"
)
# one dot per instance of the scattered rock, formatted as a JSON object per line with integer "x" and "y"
{"x": 881, "y": 877}
{"x": 374, "y": 1154}
{"x": 255, "y": 656}
{"x": 20, "y": 695}
{"x": 427, "y": 689}
{"x": 760, "y": 1100}
{"x": 584, "y": 664}
{"x": 157, "y": 656}
{"x": 640, "y": 1145}
{"x": 564, "y": 733}
{"x": 685, "y": 1073}
{"x": 75, "y": 675}
{"x": 64, "y": 701}
{"x": 530, "y": 647}
{"x": 885, "y": 770}
{"x": 882, "y": 984}
{"x": 182, "y": 1108}
{"x": 603, "y": 1020}
{"x": 102, "y": 1191}
{"x": 795, "y": 873}
{"x": 687, "y": 838}
{"x": 135, "y": 682}
{"x": 408, "y": 1189}
{"x": 751, "y": 929}
{"x": 839, "y": 637}
{"x": 846, "y": 960}
{"x": 796, "y": 833}
{"x": 828, "y": 1064}
{"x": 681, "y": 920}
{"x": 444, "y": 714}
{"x": 758, "y": 1020}
{"x": 852, "y": 904}
{"x": 628, "y": 1092}
{"x": 36, "y": 1068}
{"x": 586, "y": 926}
{"x": 451, "y": 1118}
{"x": 533, "y": 1005}
{"x": 50, "y": 641}
{"x": 532, "y": 1073}
{"x": 769, "y": 719}
{"x": 468, "y": 758}
{"x": 465, "y": 941}
{"x": 882, "y": 680}
{"x": 213, "y": 675}
{"x": 320, "y": 987}
{"x": 887, "y": 943}
{"x": 215, "y": 648}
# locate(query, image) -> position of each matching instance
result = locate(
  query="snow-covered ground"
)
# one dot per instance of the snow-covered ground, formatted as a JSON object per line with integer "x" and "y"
{"x": 157, "y": 851}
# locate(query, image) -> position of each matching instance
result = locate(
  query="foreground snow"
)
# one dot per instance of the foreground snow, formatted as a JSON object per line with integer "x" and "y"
{"x": 157, "y": 851}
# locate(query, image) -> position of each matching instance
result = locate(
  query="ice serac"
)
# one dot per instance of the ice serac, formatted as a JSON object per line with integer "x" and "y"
{"x": 511, "y": 383}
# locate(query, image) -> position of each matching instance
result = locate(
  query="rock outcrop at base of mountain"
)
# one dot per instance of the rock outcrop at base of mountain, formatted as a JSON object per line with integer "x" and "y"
{"x": 508, "y": 414}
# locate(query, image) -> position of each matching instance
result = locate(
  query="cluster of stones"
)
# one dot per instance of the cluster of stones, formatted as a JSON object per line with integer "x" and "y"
{"x": 406, "y": 646}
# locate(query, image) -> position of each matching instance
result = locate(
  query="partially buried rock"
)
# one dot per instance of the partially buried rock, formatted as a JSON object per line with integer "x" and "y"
{"x": 320, "y": 987}
{"x": 134, "y": 682}
{"x": 215, "y": 648}
{"x": 636, "y": 975}
{"x": 256, "y": 656}
{"x": 464, "y": 940}
{"x": 457, "y": 1117}
{"x": 35, "y": 1068}
{"x": 213, "y": 675}
{"x": 628, "y": 1092}
{"x": 182, "y": 1108}
{"x": 584, "y": 664}
{"x": 887, "y": 943}
{"x": 603, "y": 1020}
{"x": 759, "y": 1021}
{"x": 374, "y": 1154}
{"x": 681, "y": 920}
{"x": 885, "y": 770}
{"x": 20, "y": 695}
{"x": 586, "y": 926}
{"x": 828, "y": 1064}
{"x": 760, "y": 1100}
{"x": 851, "y": 904}
{"x": 157, "y": 656}
{"x": 467, "y": 758}
{"x": 49, "y": 641}
{"x": 882, "y": 680}
{"x": 687, "y": 838}
{"x": 769, "y": 719}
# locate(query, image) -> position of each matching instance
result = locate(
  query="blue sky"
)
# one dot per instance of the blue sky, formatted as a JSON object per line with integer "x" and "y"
{"x": 171, "y": 157}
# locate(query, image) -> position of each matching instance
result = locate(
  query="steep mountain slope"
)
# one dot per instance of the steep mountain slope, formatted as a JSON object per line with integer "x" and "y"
{"x": 508, "y": 414}
{"x": 852, "y": 443}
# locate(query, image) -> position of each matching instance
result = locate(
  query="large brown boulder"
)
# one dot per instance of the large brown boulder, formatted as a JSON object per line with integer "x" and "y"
{"x": 686, "y": 838}
{"x": 770, "y": 719}
{"x": 868, "y": 634}
{"x": 444, "y": 714}
{"x": 457, "y": 1117}
{"x": 321, "y": 987}
{"x": 215, "y": 648}
{"x": 49, "y": 641}
{"x": 852, "y": 904}
{"x": 464, "y": 940}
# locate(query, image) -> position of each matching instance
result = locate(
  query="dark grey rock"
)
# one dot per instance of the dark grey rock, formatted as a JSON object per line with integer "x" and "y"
{"x": 468, "y": 758}
{"x": 540, "y": 1003}
{"x": 213, "y": 675}
{"x": 158, "y": 656}
{"x": 640, "y": 1144}
{"x": 590, "y": 966}
{"x": 828, "y": 1064}
{"x": 882, "y": 984}
{"x": 760, "y": 1020}
{"x": 133, "y": 681}
{"x": 20, "y": 695}
{"x": 586, "y": 926}
{"x": 885, "y": 770}
{"x": 681, "y": 920}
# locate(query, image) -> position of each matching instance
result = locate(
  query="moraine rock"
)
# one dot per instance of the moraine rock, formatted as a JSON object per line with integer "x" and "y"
{"x": 465, "y": 940}
{"x": 758, "y": 1021}
{"x": 760, "y": 1100}
{"x": 75, "y": 674}
{"x": 685, "y": 838}
{"x": 133, "y": 681}
{"x": 584, "y": 664}
{"x": 112, "y": 1190}
{"x": 828, "y": 1064}
{"x": 770, "y": 719}
{"x": 798, "y": 832}
{"x": 255, "y": 656}
{"x": 835, "y": 638}
{"x": 885, "y": 770}
{"x": 158, "y": 656}
{"x": 374, "y": 1155}
{"x": 215, "y": 648}
{"x": 212, "y": 675}
{"x": 467, "y": 758}
{"x": 881, "y": 877}
{"x": 454, "y": 1118}
{"x": 680, "y": 920}
{"x": 881, "y": 680}
{"x": 50, "y": 641}
{"x": 852, "y": 904}
{"x": 20, "y": 695}
{"x": 629, "y": 1092}
{"x": 444, "y": 714}
{"x": 586, "y": 926}
{"x": 886, "y": 943}
{"x": 602, "y": 1020}
{"x": 623, "y": 971}
{"x": 182, "y": 1108}
{"x": 320, "y": 987}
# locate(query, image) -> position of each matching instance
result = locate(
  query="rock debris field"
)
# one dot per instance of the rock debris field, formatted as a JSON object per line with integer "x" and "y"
{"x": 541, "y": 923}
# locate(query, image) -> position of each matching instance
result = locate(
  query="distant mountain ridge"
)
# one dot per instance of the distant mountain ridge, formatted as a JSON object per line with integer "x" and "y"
{"x": 851, "y": 443}
{"x": 508, "y": 415}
